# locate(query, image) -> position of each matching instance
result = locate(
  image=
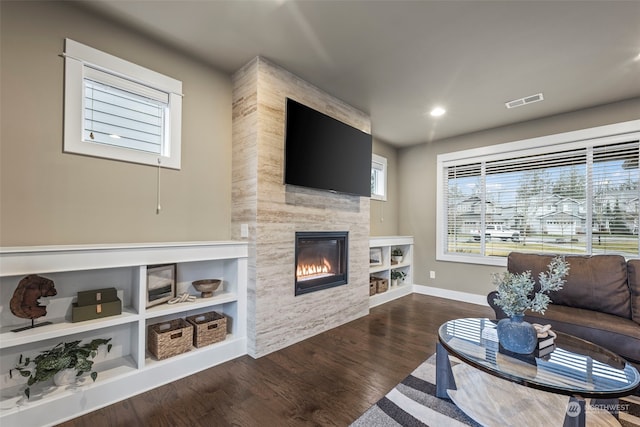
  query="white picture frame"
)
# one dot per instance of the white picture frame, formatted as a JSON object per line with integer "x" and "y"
{"x": 161, "y": 284}
{"x": 375, "y": 256}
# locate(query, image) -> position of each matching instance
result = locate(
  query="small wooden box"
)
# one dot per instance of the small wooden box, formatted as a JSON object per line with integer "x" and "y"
{"x": 95, "y": 311}
{"x": 97, "y": 296}
{"x": 170, "y": 338}
{"x": 208, "y": 328}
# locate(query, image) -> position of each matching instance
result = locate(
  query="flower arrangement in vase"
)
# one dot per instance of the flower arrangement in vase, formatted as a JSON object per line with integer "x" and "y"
{"x": 516, "y": 295}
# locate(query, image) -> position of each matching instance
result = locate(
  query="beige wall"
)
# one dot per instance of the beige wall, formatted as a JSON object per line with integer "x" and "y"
{"x": 417, "y": 189}
{"x": 384, "y": 214}
{"x": 48, "y": 197}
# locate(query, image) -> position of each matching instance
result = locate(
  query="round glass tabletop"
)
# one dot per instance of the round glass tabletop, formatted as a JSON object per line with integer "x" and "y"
{"x": 574, "y": 367}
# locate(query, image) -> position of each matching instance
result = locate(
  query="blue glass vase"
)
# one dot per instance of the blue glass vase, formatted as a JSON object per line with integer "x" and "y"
{"x": 516, "y": 335}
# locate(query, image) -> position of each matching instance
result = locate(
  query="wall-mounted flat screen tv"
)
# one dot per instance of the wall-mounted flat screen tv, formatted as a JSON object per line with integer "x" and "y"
{"x": 324, "y": 153}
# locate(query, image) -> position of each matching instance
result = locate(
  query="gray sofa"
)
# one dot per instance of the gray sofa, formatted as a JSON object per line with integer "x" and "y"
{"x": 600, "y": 301}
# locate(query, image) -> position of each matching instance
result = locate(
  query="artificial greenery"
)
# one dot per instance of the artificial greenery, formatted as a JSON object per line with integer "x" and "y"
{"x": 63, "y": 356}
{"x": 396, "y": 274}
{"x": 396, "y": 252}
{"x": 515, "y": 291}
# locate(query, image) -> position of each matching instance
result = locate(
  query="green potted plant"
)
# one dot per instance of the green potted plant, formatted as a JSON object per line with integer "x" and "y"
{"x": 59, "y": 359}
{"x": 397, "y": 275}
{"x": 516, "y": 295}
{"x": 396, "y": 255}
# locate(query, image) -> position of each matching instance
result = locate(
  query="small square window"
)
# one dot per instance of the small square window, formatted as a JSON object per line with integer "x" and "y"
{"x": 118, "y": 110}
{"x": 378, "y": 178}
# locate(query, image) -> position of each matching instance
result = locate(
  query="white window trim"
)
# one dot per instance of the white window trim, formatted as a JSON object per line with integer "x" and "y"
{"x": 76, "y": 57}
{"x": 382, "y": 161}
{"x": 537, "y": 145}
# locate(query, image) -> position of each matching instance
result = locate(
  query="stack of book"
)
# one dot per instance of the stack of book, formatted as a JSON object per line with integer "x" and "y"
{"x": 545, "y": 345}
{"x": 489, "y": 337}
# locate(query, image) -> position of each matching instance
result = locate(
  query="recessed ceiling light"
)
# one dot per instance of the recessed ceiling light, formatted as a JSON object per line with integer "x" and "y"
{"x": 438, "y": 111}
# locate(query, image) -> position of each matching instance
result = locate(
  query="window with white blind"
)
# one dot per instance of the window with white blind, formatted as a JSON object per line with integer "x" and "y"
{"x": 119, "y": 110}
{"x": 573, "y": 193}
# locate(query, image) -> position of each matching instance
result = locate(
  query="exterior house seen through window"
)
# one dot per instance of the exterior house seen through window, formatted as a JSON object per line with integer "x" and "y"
{"x": 568, "y": 193}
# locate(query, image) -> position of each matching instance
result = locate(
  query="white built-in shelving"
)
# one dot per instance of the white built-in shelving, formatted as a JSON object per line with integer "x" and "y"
{"x": 382, "y": 265}
{"x": 128, "y": 369}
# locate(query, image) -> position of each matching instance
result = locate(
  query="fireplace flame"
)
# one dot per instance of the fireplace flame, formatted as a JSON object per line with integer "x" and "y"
{"x": 313, "y": 271}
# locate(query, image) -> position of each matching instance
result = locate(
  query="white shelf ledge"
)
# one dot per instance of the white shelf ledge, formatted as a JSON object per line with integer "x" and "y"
{"x": 229, "y": 341}
{"x": 390, "y": 295}
{"x": 167, "y": 309}
{"x": 14, "y": 401}
{"x": 62, "y": 327}
{"x": 51, "y": 259}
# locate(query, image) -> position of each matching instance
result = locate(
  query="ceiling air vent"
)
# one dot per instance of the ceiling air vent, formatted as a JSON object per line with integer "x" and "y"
{"x": 524, "y": 101}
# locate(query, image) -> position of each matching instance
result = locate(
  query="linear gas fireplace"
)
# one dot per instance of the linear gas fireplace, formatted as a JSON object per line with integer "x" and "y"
{"x": 321, "y": 260}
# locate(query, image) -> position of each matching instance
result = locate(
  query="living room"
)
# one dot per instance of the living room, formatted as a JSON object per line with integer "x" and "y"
{"x": 50, "y": 197}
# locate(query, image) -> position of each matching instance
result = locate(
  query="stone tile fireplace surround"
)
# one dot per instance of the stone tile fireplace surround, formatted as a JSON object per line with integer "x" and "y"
{"x": 275, "y": 212}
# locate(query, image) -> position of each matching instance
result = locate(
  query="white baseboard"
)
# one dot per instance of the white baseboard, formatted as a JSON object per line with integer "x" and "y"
{"x": 400, "y": 291}
{"x": 449, "y": 294}
{"x": 390, "y": 295}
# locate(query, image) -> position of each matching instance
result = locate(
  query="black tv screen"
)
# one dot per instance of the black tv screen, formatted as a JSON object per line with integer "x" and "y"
{"x": 324, "y": 153}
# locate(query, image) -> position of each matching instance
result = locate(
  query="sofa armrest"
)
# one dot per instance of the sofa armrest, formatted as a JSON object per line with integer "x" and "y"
{"x": 497, "y": 310}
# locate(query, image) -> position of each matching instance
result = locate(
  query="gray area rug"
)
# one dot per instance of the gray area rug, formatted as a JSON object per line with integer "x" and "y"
{"x": 413, "y": 403}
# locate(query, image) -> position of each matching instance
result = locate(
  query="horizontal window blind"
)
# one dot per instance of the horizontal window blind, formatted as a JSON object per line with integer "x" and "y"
{"x": 536, "y": 162}
{"x": 377, "y": 181}
{"x": 378, "y": 177}
{"x": 581, "y": 200}
{"x": 615, "y": 198}
{"x": 122, "y": 113}
{"x": 126, "y": 85}
{"x": 463, "y": 198}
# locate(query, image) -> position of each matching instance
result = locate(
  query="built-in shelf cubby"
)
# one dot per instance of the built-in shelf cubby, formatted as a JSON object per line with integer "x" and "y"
{"x": 382, "y": 264}
{"x": 128, "y": 368}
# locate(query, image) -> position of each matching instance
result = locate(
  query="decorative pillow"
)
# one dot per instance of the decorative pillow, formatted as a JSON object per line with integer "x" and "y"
{"x": 597, "y": 282}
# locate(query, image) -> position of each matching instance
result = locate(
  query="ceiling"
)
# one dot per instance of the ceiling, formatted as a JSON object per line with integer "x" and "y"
{"x": 396, "y": 59}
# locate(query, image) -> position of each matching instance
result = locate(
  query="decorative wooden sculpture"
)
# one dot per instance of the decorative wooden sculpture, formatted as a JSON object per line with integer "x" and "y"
{"x": 25, "y": 298}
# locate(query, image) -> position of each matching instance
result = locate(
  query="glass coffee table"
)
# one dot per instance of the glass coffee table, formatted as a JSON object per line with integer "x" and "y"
{"x": 575, "y": 368}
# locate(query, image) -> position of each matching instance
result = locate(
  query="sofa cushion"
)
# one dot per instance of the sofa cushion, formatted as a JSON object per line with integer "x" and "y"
{"x": 619, "y": 335}
{"x": 633, "y": 271}
{"x": 597, "y": 282}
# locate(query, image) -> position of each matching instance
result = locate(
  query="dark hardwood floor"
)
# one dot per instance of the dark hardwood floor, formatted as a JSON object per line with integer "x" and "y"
{"x": 326, "y": 380}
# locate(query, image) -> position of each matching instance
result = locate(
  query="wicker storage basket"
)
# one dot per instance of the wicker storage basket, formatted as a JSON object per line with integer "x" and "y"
{"x": 382, "y": 285}
{"x": 208, "y": 328}
{"x": 372, "y": 286}
{"x": 170, "y": 338}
